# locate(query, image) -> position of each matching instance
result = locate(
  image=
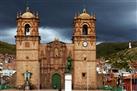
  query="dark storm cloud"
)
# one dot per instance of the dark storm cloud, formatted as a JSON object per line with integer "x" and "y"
{"x": 116, "y": 19}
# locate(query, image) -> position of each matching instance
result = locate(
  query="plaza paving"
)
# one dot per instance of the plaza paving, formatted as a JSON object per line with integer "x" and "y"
{"x": 52, "y": 90}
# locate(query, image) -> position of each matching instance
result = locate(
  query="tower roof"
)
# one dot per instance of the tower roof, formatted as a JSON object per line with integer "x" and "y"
{"x": 84, "y": 15}
{"x": 27, "y": 14}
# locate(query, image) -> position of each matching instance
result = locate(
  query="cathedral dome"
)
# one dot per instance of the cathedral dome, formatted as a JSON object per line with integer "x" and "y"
{"x": 84, "y": 15}
{"x": 28, "y": 14}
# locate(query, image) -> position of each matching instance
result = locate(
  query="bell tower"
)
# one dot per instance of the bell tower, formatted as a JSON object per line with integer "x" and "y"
{"x": 27, "y": 48}
{"x": 84, "y": 40}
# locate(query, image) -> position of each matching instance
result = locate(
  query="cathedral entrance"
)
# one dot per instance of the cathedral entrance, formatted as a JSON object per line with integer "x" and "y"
{"x": 56, "y": 81}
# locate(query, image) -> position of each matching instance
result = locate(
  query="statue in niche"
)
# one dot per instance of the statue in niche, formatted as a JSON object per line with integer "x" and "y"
{"x": 56, "y": 52}
{"x": 69, "y": 65}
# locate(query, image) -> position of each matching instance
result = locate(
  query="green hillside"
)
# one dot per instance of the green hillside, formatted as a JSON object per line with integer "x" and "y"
{"x": 107, "y": 49}
{"x": 103, "y": 49}
{"x": 118, "y": 54}
{"x": 7, "y": 48}
{"x": 123, "y": 59}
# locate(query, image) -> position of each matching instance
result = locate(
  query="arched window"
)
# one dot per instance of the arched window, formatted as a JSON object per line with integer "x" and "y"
{"x": 27, "y": 29}
{"x": 85, "y": 30}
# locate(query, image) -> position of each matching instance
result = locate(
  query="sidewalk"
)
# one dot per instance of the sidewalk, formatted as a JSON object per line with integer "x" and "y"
{"x": 53, "y": 90}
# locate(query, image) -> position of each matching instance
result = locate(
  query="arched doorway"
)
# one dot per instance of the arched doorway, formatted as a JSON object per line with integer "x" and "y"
{"x": 56, "y": 81}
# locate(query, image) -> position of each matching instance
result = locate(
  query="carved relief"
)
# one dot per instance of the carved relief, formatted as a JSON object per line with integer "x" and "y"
{"x": 56, "y": 52}
{"x": 56, "y": 55}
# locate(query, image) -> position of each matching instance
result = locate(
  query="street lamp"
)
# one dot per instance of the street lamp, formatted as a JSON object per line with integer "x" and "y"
{"x": 0, "y": 77}
{"x": 122, "y": 81}
{"x": 131, "y": 78}
{"x": 1, "y": 68}
{"x": 131, "y": 81}
{"x": 27, "y": 76}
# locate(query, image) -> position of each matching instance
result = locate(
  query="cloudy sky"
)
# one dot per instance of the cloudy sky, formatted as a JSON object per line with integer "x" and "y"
{"x": 116, "y": 19}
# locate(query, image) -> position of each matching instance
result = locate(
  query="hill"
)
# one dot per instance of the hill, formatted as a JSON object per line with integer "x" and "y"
{"x": 118, "y": 54}
{"x": 107, "y": 49}
{"x": 103, "y": 49}
{"x": 7, "y": 48}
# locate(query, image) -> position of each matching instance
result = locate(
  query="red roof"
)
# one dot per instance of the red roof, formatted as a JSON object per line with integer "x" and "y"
{"x": 133, "y": 76}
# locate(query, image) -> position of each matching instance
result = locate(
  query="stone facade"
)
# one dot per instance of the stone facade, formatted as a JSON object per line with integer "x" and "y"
{"x": 27, "y": 48}
{"x": 53, "y": 60}
{"x": 84, "y": 51}
{"x": 47, "y": 62}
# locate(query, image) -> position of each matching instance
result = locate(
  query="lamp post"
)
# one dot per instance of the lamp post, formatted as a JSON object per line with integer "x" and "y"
{"x": 0, "y": 77}
{"x": 122, "y": 81}
{"x": 1, "y": 69}
{"x": 131, "y": 82}
{"x": 131, "y": 79}
{"x": 27, "y": 76}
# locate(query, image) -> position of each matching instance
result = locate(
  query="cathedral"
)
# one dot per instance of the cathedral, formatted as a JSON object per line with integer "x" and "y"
{"x": 47, "y": 62}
